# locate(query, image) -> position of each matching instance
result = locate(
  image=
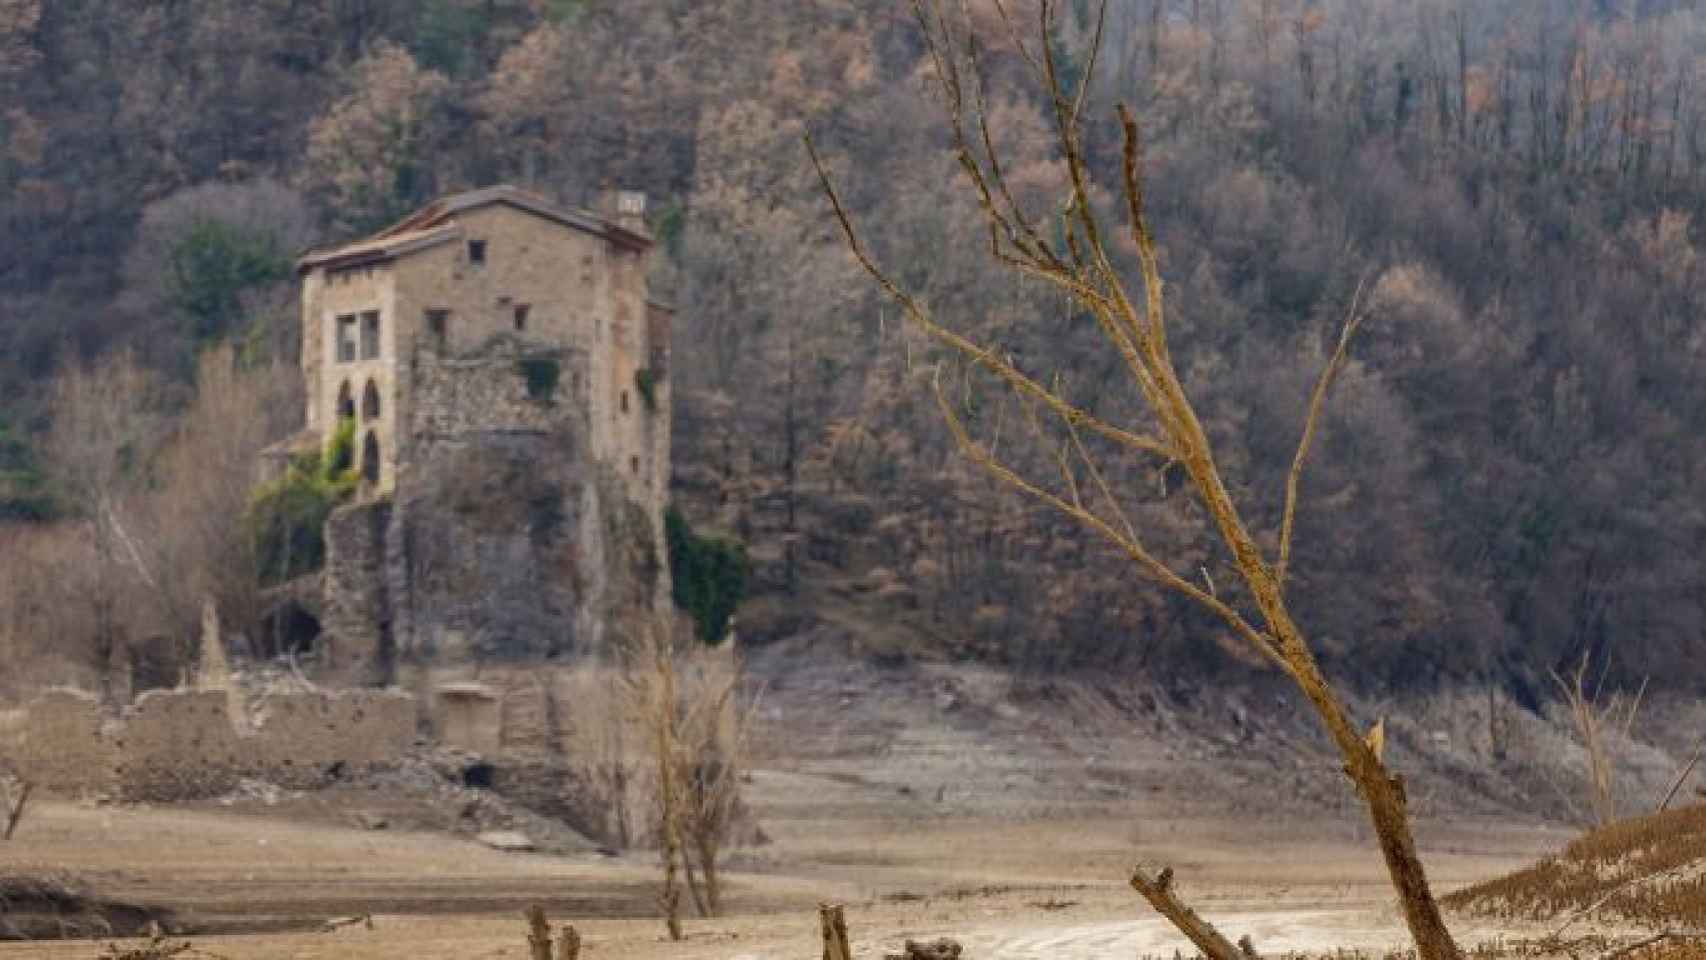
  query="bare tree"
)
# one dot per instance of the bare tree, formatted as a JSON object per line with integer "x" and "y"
{"x": 1595, "y": 721}
{"x": 686, "y": 696}
{"x": 195, "y": 518}
{"x": 711, "y": 761}
{"x": 656, "y": 693}
{"x": 106, "y": 424}
{"x": 1076, "y": 256}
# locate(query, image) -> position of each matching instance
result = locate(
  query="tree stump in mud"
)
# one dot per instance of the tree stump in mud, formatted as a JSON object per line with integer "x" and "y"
{"x": 538, "y": 934}
{"x": 942, "y": 949}
{"x": 834, "y": 922}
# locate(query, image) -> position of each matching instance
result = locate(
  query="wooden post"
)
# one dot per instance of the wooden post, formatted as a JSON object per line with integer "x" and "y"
{"x": 569, "y": 947}
{"x": 538, "y": 934}
{"x": 834, "y": 932}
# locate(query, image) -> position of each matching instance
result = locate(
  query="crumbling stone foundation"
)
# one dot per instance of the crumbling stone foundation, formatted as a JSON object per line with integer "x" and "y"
{"x": 184, "y": 744}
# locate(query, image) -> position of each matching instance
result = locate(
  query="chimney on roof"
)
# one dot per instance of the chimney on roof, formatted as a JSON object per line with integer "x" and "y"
{"x": 627, "y": 208}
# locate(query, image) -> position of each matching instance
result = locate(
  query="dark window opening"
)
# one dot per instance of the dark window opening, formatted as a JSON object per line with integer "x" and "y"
{"x": 478, "y": 775}
{"x": 346, "y": 402}
{"x": 370, "y": 458}
{"x": 370, "y": 335}
{"x": 346, "y": 338}
{"x": 370, "y": 402}
{"x": 521, "y": 312}
{"x": 634, "y": 464}
{"x": 624, "y": 401}
{"x": 438, "y": 324}
{"x": 476, "y": 251}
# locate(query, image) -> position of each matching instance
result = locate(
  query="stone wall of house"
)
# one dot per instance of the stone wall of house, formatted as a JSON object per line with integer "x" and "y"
{"x": 183, "y": 744}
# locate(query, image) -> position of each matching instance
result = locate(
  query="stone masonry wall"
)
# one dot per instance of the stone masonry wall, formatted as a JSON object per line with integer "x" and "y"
{"x": 358, "y": 610}
{"x": 183, "y": 744}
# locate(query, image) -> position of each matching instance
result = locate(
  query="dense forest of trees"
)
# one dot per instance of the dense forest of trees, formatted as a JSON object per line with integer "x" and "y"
{"x": 1505, "y": 479}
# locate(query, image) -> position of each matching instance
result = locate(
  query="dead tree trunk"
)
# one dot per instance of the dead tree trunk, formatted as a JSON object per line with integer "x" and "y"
{"x": 1134, "y": 323}
{"x": 1159, "y": 892}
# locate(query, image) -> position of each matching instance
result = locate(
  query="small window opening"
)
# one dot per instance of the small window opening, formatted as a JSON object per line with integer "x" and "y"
{"x": 370, "y": 402}
{"x": 634, "y": 465}
{"x": 438, "y": 324}
{"x": 476, "y": 251}
{"x": 346, "y": 338}
{"x": 370, "y": 335}
{"x": 624, "y": 401}
{"x": 521, "y": 312}
{"x": 478, "y": 776}
{"x": 346, "y": 402}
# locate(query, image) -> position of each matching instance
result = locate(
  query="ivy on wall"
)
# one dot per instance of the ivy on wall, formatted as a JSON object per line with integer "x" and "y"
{"x": 710, "y": 576}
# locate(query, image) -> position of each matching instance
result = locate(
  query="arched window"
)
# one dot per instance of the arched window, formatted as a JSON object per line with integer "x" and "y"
{"x": 370, "y": 402}
{"x": 346, "y": 402}
{"x": 370, "y": 458}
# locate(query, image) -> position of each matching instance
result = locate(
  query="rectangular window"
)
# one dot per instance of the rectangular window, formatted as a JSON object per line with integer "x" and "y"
{"x": 521, "y": 312}
{"x": 346, "y": 338}
{"x": 370, "y": 335}
{"x": 477, "y": 251}
{"x": 438, "y": 324}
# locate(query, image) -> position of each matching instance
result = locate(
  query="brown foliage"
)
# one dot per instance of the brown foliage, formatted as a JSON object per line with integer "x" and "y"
{"x": 1643, "y": 870}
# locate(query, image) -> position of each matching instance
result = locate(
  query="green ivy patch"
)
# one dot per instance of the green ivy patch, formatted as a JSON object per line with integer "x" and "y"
{"x": 710, "y": 576}
{"x": 287, "y": 517}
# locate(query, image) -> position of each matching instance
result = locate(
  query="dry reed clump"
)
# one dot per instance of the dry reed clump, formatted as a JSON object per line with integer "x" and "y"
{"x": 1649, "y": 870}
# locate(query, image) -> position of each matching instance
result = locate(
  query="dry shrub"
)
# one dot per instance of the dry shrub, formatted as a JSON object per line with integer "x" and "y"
{"x": 1648, "y": 870}
{"x": 156, "y": 522}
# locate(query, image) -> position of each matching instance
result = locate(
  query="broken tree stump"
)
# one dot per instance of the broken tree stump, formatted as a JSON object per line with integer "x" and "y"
{"x": 538, "y": 934}
{"x": 834, "y": 921}
{"x": 941, "y": 949}
{"x": 1159, "y": 893}
{"x": 569, "y": 946}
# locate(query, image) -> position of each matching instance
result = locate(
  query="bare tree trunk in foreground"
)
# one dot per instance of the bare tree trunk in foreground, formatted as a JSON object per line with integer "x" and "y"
{"x": 1084, "y": 271}
{"x": 654, "y": 687}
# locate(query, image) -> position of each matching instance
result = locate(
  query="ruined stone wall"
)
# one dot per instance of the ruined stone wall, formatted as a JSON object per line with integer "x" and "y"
{"x": 305, "y": 739}
{"x": 61, "y": 747}
{"x": 184, "y": 744}
{"x": 357, "y": 614}
{"x": 507, "y": 384}
{"x": 174, "y": 744}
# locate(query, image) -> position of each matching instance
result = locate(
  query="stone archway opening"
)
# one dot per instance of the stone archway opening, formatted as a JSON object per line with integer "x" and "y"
{"x": 370, "y": 458}
{"x": 370, "y": 402}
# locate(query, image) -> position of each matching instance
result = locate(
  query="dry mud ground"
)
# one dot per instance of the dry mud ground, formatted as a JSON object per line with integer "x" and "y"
{"x": 1007, "y": 889}
{"x": 932, "y": 802}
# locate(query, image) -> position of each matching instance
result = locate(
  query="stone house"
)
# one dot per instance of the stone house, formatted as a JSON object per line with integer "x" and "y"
{"x": 467, "y": 268}
{"x": 505, "y": 375}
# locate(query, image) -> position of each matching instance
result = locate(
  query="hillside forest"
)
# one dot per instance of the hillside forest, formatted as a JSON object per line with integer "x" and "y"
{"x": 1503, "y": 483}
